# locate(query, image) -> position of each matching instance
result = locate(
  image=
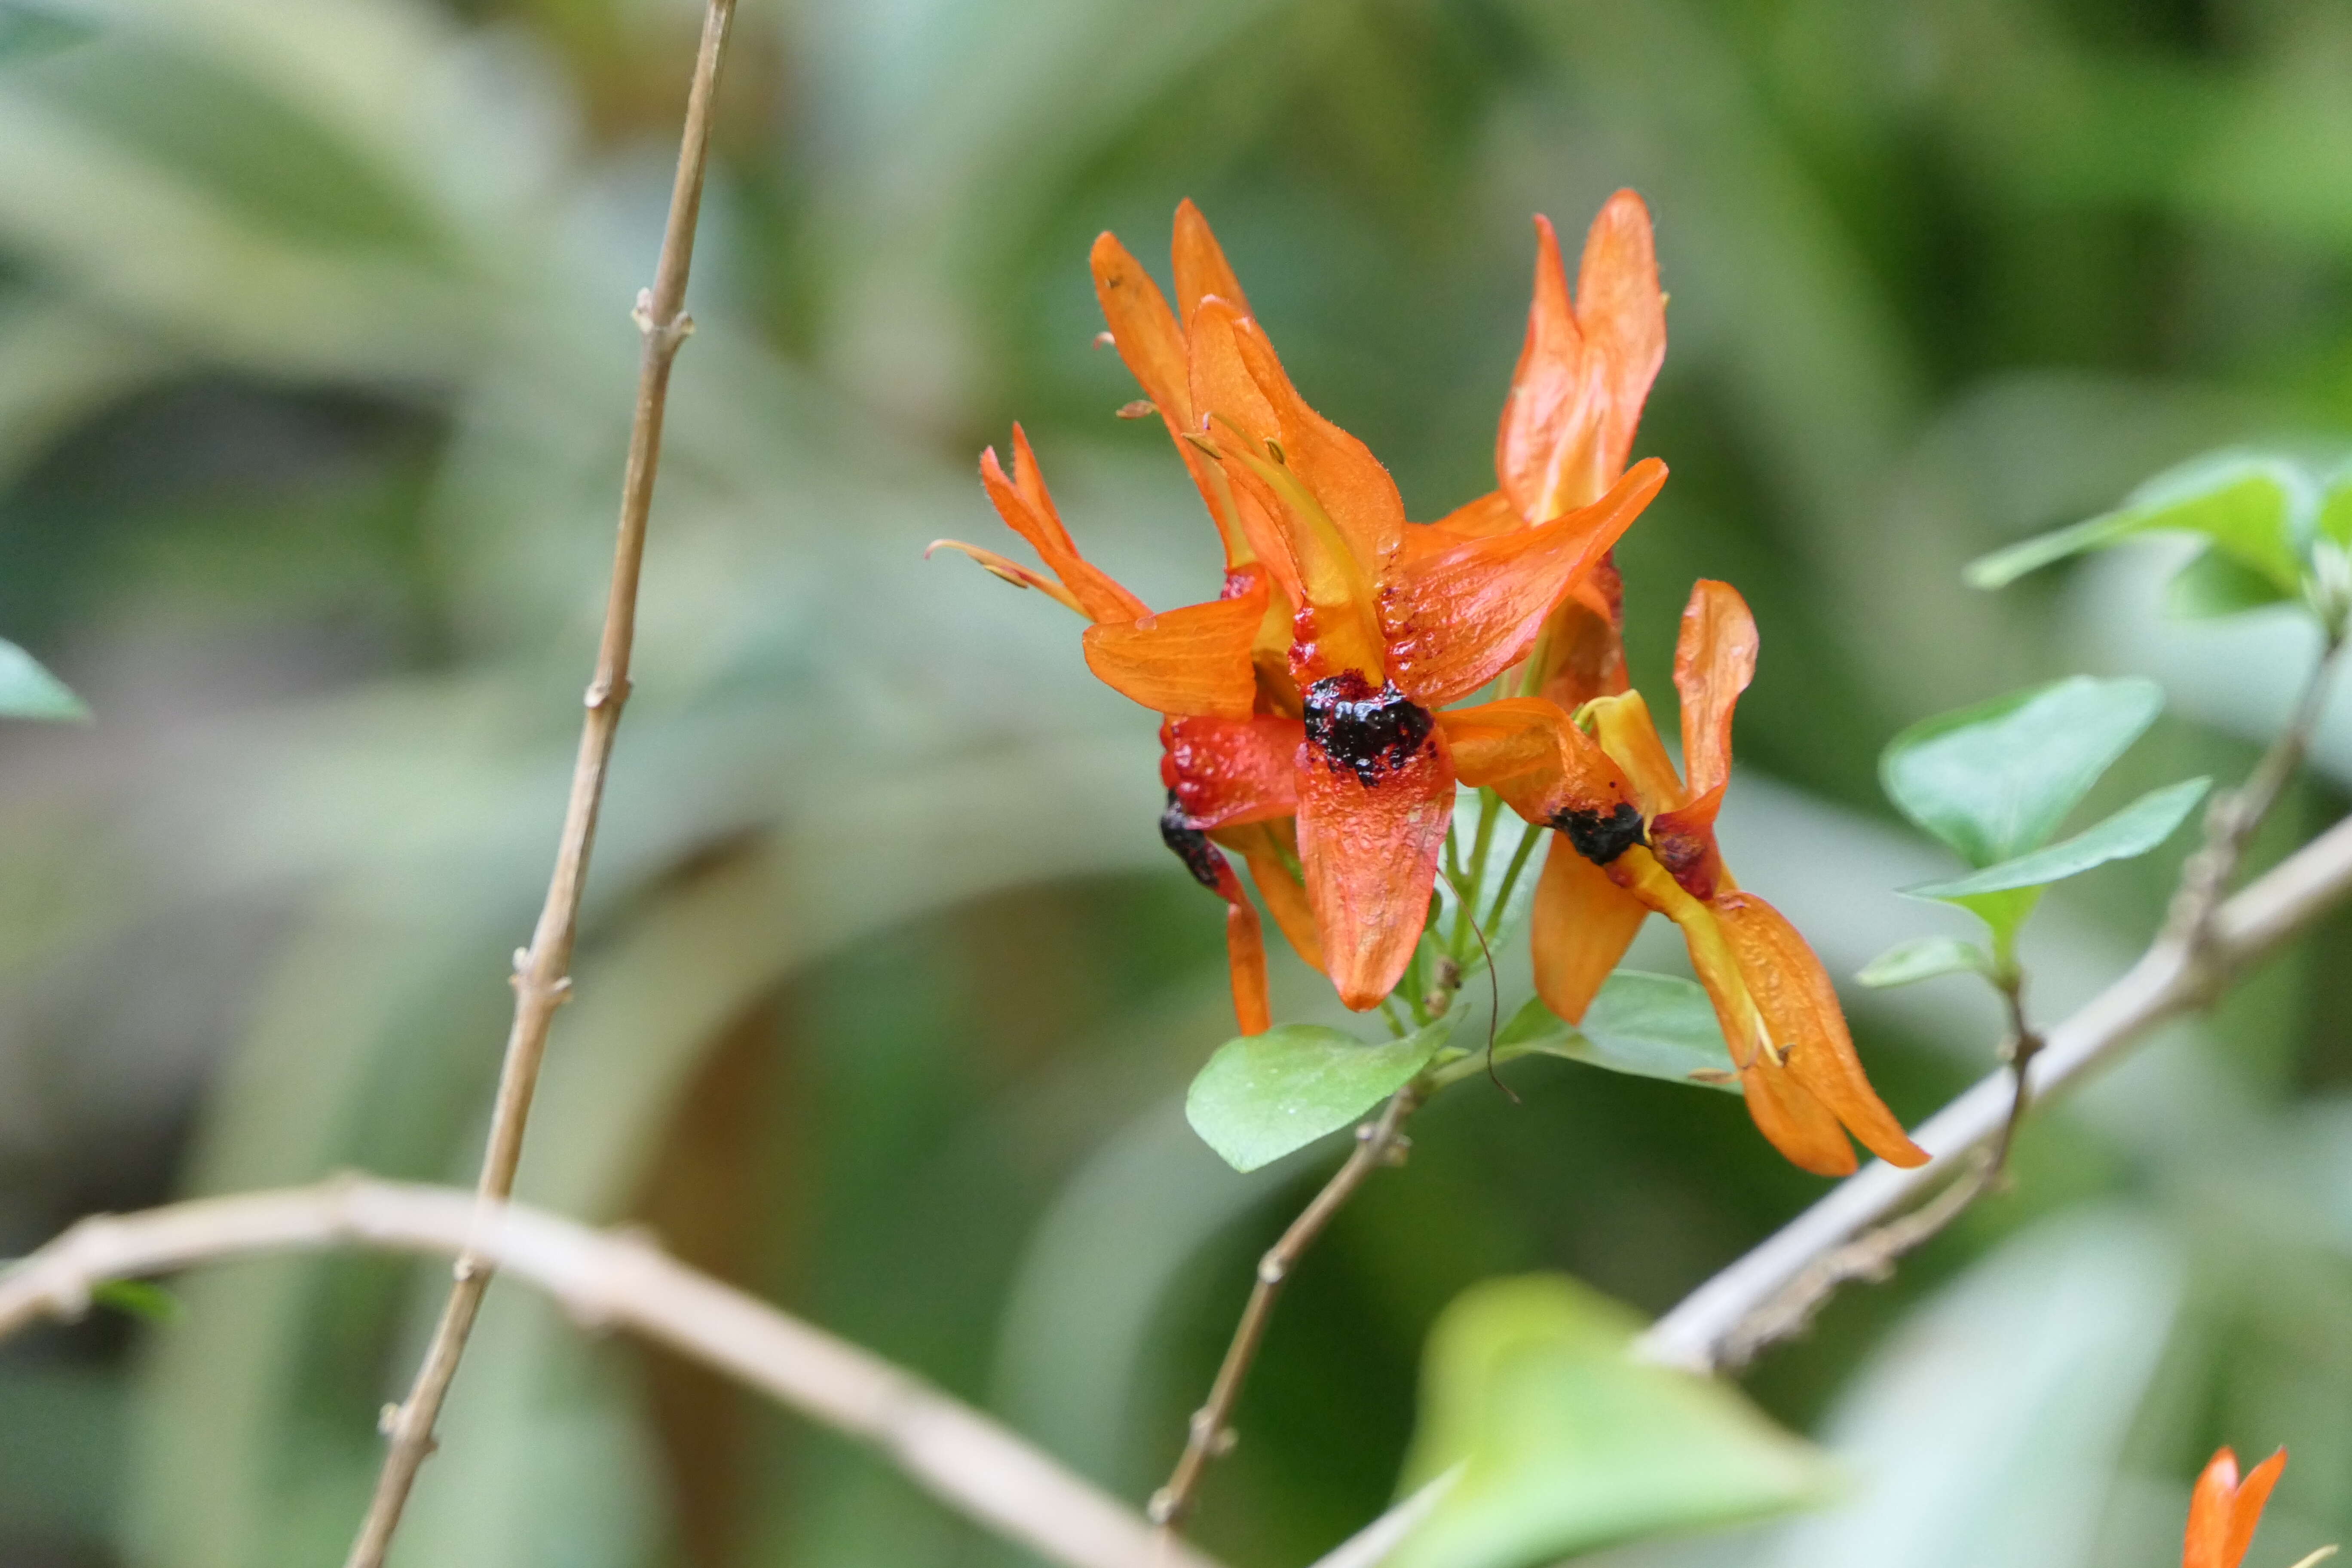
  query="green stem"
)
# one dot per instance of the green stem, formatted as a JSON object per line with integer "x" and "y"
{"x": 1511, "y": 875}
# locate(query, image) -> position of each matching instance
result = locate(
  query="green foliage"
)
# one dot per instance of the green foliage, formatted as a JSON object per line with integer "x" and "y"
{"x": 2265, "y": 516}
{"x": 29, "y": 692}
{"x": 142, "y": 1299}
{"x": 1566, "y": 1443}
{"x": 1261, "y": 1096}
{"x": 1928, "y": 958}
{"x": 2132, "y": 831}
{"x": 1651, "y": 1026}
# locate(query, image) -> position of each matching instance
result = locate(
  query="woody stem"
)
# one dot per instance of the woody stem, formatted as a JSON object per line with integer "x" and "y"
{"x": 542, "y": 971}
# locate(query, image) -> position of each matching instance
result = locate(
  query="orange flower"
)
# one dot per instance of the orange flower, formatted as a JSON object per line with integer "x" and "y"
{"x": 1635, "y": 837}
{"x": 2224, "y": 1511}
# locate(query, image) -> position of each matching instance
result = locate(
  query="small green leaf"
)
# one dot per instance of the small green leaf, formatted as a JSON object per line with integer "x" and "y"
{"x": 1651, "y": 1026}
{"x": 2214, "y": 585}
{"x": 138, "y": 1298}
{"x": 1567, "y": 1443}
{"x": 28, "y": 691}
{"x": 2135, "y": 830}
{"x": 1261, "y": 1096}
{"x": 2257, "y": 508}
{"x": 1909, "y": 963}
{"x": 1995, "y": 780}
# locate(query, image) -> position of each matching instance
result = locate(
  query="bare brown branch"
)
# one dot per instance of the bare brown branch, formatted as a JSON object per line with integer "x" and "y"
{"x": 542, "y": 971}
{"x": 622, "y": 1280}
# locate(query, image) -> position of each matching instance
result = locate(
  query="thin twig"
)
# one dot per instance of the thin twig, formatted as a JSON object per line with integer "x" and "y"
{"x": 622, "y": 1280}
{"x": 1377, "y": 1143}
{"x": 542, "y": 971}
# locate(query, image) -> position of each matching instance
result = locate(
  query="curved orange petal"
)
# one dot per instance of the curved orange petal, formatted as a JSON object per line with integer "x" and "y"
{"x": 2246, "y": 1508}
{"x": 1244, "y": 944}
{"x": 1583, "y": 651}
{"x": 1341, "y": 471}
{"x": 1490, "y": 514}
{"x": 2207, "y": 1535}
{"x": 1011, "y": 570}
{"x": 1801, "y": 1127}
{"x": 1807, "y": 1028}
{"x": 1193, "y": 660}
{"x": 1585, "y": 366}
{"x": 1375, "y": 799}
{"x": 1226, "y": 772}
{"x": 1200, "y": 265}
{"x": 1529, "y": 750}
{"x": 1455, "y": 618}
{"x": 1271, "y": 849}
{"x": 1581, "y": 926}
{"x": 1715, "y": 658}
{"x": 1022, "y": 502}
{"x": 1626, "y": 732}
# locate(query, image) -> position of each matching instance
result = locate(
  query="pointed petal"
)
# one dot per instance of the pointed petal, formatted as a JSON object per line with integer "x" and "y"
{"x": 1192, "y": 660}
{"x": 1581, "y": 926}
{"x": 2246, "y": 1508}
{"x": 2208, "y": 1513}
{"x": 1346, "y": 479}
{"x": 1369, "y": 828}
{"x": 1715, "y": 658}
{"x": 1011, "y": 571}
{"x": 1490, "y": 514}
{"x": 1143, "y": 329}
{"x": 1800, "y": 1008}
{"x": 1245, "y": 946}
{"x": 1228, "y": 772}
{"x": 1794, "y": 1122}
{"x": 1625, "y": 731}
{"x": 1530, "y": 753}
{"x": 1272, "y": 850}
{"x": 1584, "y": 369}
{"x": 1200, "y": 265}
{"x": 1021, "y": 500}
{"x": 1455, "y": 618}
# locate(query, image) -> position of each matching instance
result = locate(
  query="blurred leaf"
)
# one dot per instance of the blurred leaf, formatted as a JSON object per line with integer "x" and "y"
{"x": 1929, "y": 957}
{"x": 2335, "y": 511}
{"x": 1566, "y": 1442}
{"x": 28, "y": 691}
{"x": 1995, "y": 780}
{"x": 2135, "y": 830}
{"x": 2257, "y": 508}
{"x": 1651, "y": 1026}
{"x": 2217, "y": 585}
{"x": 35, "y": 29}
{"x": 1261, "y": 1096}
{"x": 142, "y": 1299}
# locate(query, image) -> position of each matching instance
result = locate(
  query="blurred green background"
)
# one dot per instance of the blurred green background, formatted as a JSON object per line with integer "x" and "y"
{"x": 315, "y": 365}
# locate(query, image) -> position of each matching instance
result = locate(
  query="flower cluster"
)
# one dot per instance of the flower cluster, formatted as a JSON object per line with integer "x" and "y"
{"x": 1308, "y": 724}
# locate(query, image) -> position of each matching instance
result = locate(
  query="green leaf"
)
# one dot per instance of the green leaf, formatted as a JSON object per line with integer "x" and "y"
{"x": 2335, "y": 511}
{"x": 1651, "y": 1026}
{"x": 2214, "y": 585}
{"x": 1261, "y": 1096}
{"x": 1907, "y": 963}
{"x": 28, "y": 691}
{"x": 1566, "y": 1443}
{"x": 2135, "y": 830}
{"x": 1995, "y": 780}
{"x": 138, "y": 1298}
{"x": 2256, "y": 507}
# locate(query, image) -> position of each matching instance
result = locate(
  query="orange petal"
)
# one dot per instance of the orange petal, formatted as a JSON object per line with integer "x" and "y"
{"x": 1807, "y": 1028}
{"x": 1794, "y": 1122}
{"x": 1245, "y": 946}
{"x": 1715, "y": 658}
{"x": 1585, "y": 367}
{"x": 1584, "y": 652}
{"x": 1022, "y": 501}
{"x": 1226, "y": 772}
{"x": 1530, "y": 753}
{"x": 2209, "y": 1514}
{"x": 1683, "y": 840}
{"x": 1011, "y": 571}
{"x": 1580, "y": 928}
{"x": 1490, "y": 514}
{"x": 1193, "y": 660}
{"x": 1272, "y": 850}
{"x": 2246, "y": 1507}
{"x": 1625, "y": 731}
{"x": 1346, "y": 479}
{"x": 1200, "y": 265}
{"x": 1455, "y": 618}
{"x": 1375, "y": 798}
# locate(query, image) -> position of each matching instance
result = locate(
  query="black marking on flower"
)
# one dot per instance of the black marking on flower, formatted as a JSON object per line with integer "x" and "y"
{"x": 1191, "y": 846}
{"x": 1602, "y": 836}
{"x": 1370, "y": 732}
